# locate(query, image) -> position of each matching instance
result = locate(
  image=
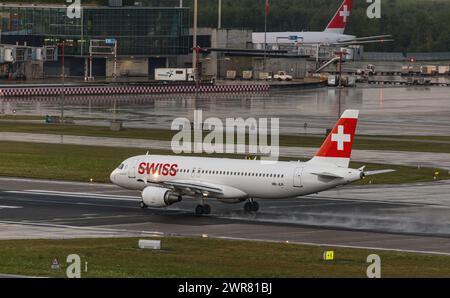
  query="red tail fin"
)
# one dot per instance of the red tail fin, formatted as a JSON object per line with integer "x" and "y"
{"x": 337, "y": 147}
{"x": 341, "y": 17}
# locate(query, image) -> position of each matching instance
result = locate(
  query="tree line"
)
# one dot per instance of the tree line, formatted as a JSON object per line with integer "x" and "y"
{"x": 416, "y": 25}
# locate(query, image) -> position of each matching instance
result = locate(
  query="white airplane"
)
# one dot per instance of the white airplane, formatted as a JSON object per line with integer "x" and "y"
{"x": 332, "y": 35}
{"x": 165, "y": 180}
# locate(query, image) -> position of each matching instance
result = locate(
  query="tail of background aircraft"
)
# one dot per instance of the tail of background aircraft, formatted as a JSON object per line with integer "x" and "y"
{"x": 340, "y": 19}
{"x": 337, "y": 147}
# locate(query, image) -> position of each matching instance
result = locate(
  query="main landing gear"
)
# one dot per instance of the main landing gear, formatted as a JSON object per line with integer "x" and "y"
{"x": 251, "y": 206}
{"x": 203, "y": 209}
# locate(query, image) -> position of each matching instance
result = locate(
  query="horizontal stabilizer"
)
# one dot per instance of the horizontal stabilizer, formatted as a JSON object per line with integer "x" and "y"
{"x": 371, "y": 173}
{"x": 352, "y": 42}
{"x": 372, "y": 37}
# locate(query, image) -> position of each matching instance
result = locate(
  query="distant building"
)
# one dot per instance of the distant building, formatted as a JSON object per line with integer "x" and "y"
{"x": 147, "y": 37}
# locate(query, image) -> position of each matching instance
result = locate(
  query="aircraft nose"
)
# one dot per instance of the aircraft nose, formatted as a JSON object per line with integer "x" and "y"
{"x": 113, "y": 176}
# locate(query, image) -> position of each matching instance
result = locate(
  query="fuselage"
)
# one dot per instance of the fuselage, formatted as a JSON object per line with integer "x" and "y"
{"x": 310, "y": 37}
{"x": 239, "y": 178}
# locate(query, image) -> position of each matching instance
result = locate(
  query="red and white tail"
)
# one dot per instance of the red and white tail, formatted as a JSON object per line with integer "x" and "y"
{"x": 340, "y": 19}
{"x": 337, "y": 147}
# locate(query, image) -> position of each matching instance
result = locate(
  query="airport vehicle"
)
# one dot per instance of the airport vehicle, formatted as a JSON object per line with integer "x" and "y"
{"x": 332, "y": 35}
{"x": 280, "y": 76}
{"x": 174, "y": 74}
{"x": 368, "y": 71}
{"x": 165, "y": 180}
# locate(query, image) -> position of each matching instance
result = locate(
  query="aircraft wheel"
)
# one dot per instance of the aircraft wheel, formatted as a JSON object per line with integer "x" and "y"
{"x": 142, "y": 205}
{"x": 206, "y": 209}
{"x": 248, "y": 207}
{"x": 199, "y": 210}
{"x": 251, "y": 206}
{"x": 255, "y": 207}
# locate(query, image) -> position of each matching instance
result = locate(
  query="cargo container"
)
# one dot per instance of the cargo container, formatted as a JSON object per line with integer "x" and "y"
{"x": 333, "y": 80}
{"x": 443, "y": 70}
{"x": 428, "y": 70}
{"x": 406, "y": 70}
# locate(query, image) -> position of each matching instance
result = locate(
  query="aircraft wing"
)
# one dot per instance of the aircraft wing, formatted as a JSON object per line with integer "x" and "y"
{"x": 186, "y": 186}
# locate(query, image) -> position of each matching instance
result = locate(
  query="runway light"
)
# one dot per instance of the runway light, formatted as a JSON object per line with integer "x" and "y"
{"x": 287, "y": 241}
{"x": 328, "y": 255}
{"x": 91, "y": 180}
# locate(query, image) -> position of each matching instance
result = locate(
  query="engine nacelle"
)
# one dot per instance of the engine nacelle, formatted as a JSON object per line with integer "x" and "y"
{"x": 159, "y": 197}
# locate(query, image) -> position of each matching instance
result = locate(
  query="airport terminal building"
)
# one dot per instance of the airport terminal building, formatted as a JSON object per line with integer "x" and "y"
{"x": 146, "y": 37}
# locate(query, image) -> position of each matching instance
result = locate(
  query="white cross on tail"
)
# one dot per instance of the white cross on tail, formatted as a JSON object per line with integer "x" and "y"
{"x": 345, "y": 13}
{"x": 340, "y": 138}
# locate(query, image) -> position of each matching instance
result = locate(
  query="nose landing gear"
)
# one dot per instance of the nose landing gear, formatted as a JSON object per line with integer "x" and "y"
{"x": 251, "y": 206}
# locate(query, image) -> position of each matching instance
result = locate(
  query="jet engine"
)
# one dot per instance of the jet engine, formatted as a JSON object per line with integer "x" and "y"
{"x": 159, "y": 197}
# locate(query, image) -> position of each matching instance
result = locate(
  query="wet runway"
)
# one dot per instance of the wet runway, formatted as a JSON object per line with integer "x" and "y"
{"x": 384, "y": 111}
{"x": 406, "y": 217}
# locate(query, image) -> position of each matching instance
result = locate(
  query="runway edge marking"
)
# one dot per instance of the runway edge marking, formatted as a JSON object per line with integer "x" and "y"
{"x": 339, "y": 246}
{"x": 74, "y": 194}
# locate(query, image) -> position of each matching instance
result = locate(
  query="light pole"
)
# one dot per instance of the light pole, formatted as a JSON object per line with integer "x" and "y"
{"x": 194, "y": 42}
{"x": 63, "y": 71}
{"x": 266, "y": 13}
{"x": 219, "y": 17}
{"x": 340, "y": 53}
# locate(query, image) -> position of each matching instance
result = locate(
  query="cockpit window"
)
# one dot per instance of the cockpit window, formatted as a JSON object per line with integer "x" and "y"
{"x": 121, "y": 166}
